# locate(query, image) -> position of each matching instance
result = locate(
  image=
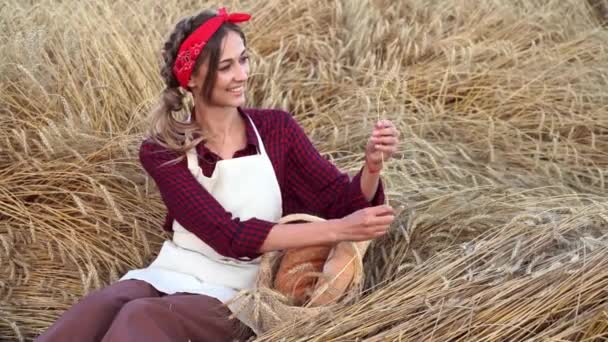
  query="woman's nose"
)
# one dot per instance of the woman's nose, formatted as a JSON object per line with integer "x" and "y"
{"x": 241, "y": 73}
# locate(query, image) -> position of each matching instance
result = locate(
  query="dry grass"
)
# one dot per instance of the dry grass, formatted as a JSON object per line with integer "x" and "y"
{"x": 503, "y": 106}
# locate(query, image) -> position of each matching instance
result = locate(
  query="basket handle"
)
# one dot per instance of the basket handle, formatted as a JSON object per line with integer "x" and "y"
{"x": 300, "y": 217}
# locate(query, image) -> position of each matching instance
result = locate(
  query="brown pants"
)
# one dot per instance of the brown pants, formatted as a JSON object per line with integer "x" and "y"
{"x": 133, "y": 310}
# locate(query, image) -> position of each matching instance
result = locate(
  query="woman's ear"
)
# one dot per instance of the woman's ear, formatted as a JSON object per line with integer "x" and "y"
{"x": 197, "y": 78}
{"x": 191, "y": 84}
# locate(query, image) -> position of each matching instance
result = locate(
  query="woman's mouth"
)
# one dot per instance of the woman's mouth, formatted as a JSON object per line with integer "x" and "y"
{"x": 237, "y": 90}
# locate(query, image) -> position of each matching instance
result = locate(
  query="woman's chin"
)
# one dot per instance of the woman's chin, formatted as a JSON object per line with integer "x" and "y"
{"x": 232, "y": 102}
{"x": 237, "y": 102}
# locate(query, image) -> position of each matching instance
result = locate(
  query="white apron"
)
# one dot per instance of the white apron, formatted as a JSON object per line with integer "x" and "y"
{"x": 246, "y": 187}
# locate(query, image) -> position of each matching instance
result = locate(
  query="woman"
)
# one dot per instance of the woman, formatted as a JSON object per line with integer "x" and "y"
{"x": 226, "y": 176}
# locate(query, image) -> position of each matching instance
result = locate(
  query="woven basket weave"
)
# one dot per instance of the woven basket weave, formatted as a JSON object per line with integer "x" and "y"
{"x": 263, "y": 308}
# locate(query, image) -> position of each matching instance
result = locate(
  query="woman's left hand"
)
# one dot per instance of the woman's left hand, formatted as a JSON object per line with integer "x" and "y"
{"x": 381, "y": 145}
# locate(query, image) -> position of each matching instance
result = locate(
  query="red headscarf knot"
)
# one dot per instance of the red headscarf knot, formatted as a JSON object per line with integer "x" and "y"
{"x": 192, "y": 47}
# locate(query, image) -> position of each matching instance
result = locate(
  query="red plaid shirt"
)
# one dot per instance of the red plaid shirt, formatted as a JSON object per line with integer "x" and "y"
{"x": 309, "y": 184}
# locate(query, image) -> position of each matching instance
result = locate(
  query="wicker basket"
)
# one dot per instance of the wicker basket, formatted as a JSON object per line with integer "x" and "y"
{"x": 264, "y": 308}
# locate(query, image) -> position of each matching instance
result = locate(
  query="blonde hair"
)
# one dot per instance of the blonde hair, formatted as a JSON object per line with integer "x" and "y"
{"x": 171, "y": 132}
{"x": 165, "y": 126}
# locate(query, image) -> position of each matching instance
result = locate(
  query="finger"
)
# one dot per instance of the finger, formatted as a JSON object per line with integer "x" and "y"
{"x": 361, "y": 235}
{"x": 392, "y": 212}
{"x": 370, "y": 233}
{"x": 383, "y": 220}
{"x": 380, "y": 233}
{"x": 384, "y": 123}
{"x": 391, "y": 131}
{"x": 386, "y": 140}
{"x": 381, "y": 134}
{"x": 381, "y": 209}
{"x": 380, "y": 230}
{"x": 386, "y": 148}
{"x": 373, "y": 235}
{"x": 379, "y": 227}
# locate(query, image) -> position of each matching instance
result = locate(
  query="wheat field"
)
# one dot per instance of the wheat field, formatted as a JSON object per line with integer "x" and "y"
{"x": 503, "y": 166}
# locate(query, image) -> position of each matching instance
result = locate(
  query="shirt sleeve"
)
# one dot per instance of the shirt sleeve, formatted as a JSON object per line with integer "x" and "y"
{"x": 317, "y": 185}
{"x": 189, "y": 203}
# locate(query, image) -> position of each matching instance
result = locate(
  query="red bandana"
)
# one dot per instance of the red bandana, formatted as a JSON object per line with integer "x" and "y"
{"x": 194, "y": 44}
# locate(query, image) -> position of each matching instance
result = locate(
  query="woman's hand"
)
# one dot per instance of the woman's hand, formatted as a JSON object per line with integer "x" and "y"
{"x": 365, "y": 224}
{"x": 381, "y": 145}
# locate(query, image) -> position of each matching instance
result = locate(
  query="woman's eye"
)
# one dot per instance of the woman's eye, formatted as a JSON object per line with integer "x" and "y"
{"x": 244, "y": 59}
{"x": 225, "y": 68}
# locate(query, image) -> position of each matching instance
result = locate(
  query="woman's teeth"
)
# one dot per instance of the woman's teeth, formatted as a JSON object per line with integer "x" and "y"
{"x": 236, "y": 90}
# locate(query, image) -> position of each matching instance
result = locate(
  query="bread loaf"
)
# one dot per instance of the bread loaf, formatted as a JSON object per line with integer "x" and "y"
{"x": 298, "y": 272}
{"x": 320, "y": 274}
{"x": 338, "y": 272}
{"x": 299, "y": 267}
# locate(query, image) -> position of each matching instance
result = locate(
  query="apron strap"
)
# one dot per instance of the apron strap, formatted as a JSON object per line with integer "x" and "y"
{"x": 192, "y": 160}
{"x": 262, "y": 150}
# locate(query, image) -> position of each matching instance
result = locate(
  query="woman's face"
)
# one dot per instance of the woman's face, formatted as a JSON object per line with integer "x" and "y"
{"x": 231, "y": 74}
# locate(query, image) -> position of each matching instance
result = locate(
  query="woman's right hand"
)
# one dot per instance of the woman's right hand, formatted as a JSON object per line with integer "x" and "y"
{"x": 365, "y": 224}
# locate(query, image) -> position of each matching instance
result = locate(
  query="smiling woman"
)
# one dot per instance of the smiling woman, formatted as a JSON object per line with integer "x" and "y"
{"x": 227, "y": 175}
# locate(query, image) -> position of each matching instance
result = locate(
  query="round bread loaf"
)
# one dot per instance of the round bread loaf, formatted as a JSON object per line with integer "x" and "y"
{"x": 298, "y": 272}
{"x": 318, "y": 275}
{"x": 338, "y": 273}
{"x": 299, "y": 268}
